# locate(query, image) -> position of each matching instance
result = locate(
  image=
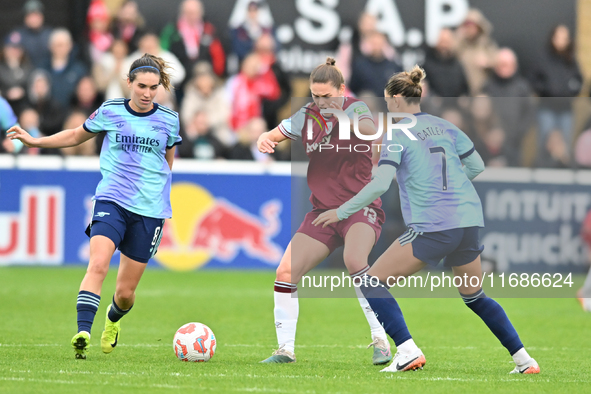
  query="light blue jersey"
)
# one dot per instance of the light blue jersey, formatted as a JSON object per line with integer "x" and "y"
{"x": 435, "y": 192}
{"x": 135, "y": 172}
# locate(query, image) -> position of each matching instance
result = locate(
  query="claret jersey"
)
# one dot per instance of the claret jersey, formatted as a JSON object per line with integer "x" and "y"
{"x": 338, "y": 169}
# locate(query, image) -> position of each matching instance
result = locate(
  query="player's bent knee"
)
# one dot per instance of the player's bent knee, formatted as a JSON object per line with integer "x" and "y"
{"x": 283, "y": 272}
{"x": 98, "y": 267}
{"x": 355, "y": 263}
{"x": 125, "y": 294}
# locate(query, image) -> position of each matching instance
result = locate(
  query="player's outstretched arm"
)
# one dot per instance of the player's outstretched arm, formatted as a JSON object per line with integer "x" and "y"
{"x": 267, "y": 141}
{"x": 63, "y": 139}
{"x": 374, "y": 189}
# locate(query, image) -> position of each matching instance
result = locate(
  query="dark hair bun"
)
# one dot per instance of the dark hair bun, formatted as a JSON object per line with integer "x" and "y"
{"x": 330, "y": 61}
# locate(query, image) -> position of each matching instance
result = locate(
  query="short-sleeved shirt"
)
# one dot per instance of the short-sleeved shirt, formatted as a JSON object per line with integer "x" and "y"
{"x": 133, "y": 162}
{"x": 335, "y": 174}
{"x": 435, "y": 192}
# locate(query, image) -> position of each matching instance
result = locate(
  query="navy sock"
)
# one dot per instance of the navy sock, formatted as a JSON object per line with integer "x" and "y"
{"x": 386, "y": 309}
{"x": 495, "y": 318}
{"x": 116, "y": 313}
{"x": 86, "y": 305}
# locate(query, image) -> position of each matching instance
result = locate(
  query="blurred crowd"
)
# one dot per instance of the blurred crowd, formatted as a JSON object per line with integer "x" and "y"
{"x": 50, "y": 81}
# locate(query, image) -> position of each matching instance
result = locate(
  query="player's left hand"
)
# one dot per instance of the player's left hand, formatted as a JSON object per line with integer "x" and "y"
{"x": 336, "y": 105}
{"x": 326, "y": 218}
{"x": 18, "y": 133}
{"x": 333, "y": 105}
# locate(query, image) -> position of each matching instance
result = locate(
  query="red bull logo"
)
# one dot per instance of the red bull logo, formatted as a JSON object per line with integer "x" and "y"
{"x": 204, "y": 228}
{"x": 36, "y": 233}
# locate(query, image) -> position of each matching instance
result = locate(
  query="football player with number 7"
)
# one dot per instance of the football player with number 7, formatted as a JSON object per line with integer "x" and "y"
{"x": 443, "y": 213}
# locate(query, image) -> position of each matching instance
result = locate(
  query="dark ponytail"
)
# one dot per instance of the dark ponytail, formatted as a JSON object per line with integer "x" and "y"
{"x": 328, "y": 73}
{"x": 407, "y": 84}
{"x": 151, "y": 64}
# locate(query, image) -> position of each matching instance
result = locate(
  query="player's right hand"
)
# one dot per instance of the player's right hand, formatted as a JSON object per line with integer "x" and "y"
{"x": 17, "y": 133}
{"x": 265, "y": 145}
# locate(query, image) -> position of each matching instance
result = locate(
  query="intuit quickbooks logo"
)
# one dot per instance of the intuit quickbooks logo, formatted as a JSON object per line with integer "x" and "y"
{"x": 394, "y": 121}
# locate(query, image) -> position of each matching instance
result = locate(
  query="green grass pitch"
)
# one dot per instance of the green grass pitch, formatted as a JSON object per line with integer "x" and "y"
{"x": 38, "y": 319}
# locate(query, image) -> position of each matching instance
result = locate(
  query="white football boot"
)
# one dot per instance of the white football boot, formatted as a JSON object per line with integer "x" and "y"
{"x": 406, "y": 362}
{"x": 530, "y": 367}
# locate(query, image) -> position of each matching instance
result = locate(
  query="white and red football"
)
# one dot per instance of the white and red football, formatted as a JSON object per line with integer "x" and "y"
{"x": 194, "y": 342}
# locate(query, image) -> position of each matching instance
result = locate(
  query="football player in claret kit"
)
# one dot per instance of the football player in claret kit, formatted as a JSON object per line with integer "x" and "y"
{"x": 132, "y": 199}
{"x": 334, "y": 176}
{"x": 443, "y": 213}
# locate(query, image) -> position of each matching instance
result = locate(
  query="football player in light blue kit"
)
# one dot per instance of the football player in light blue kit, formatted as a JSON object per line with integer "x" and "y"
{"x": 132, "y": 199}
{"x": 443, "y": 213}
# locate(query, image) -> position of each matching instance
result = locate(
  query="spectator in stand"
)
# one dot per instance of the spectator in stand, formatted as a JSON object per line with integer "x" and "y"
{"x": 371, "y": 71}
{"x": 455, "y": 117}
{"x": 86, "y": 99}
{"x": 205, "y": 94}
{"x": 516, "y": 114}
{"x": 108, "y": 71}
{"x": 150, "y": 43}
{"x": 487, "y": 133}
{"x": 191, "y": 39}
{"x": 476, "y": 49}
{"x": 248, "y": 89}
{"x": 557, "y": 75}
{"x": 128, "y": 25}
{"x": 265, "y": 49}
{"x": 87, "y": 148}
{"x": 64, "y": 69}
{"x": 556, "y": 153}
{"x": 15, "y": 71}
{"x": 100, "y": 38}
{"x": 35, "y": 36}
{"x": 245, "y": 35}
{"x": 246, "y": 148}
{"x": 354, "y": 44}
{"x": 51, "y": 112}
{"x": 445, "y": 73}
{"x": 199, "y": 140}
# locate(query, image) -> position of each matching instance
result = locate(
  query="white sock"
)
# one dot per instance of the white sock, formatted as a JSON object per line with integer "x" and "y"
{"x": 286, "y": 317}
{"x": 377, "y": 331}
{"x": 521, "y": 357}
{"x": 407, "y": 347}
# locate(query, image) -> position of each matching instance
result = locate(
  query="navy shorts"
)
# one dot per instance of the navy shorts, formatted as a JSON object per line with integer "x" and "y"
{"x": 136, "y": 236}
{"x": 458, "y": 246}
